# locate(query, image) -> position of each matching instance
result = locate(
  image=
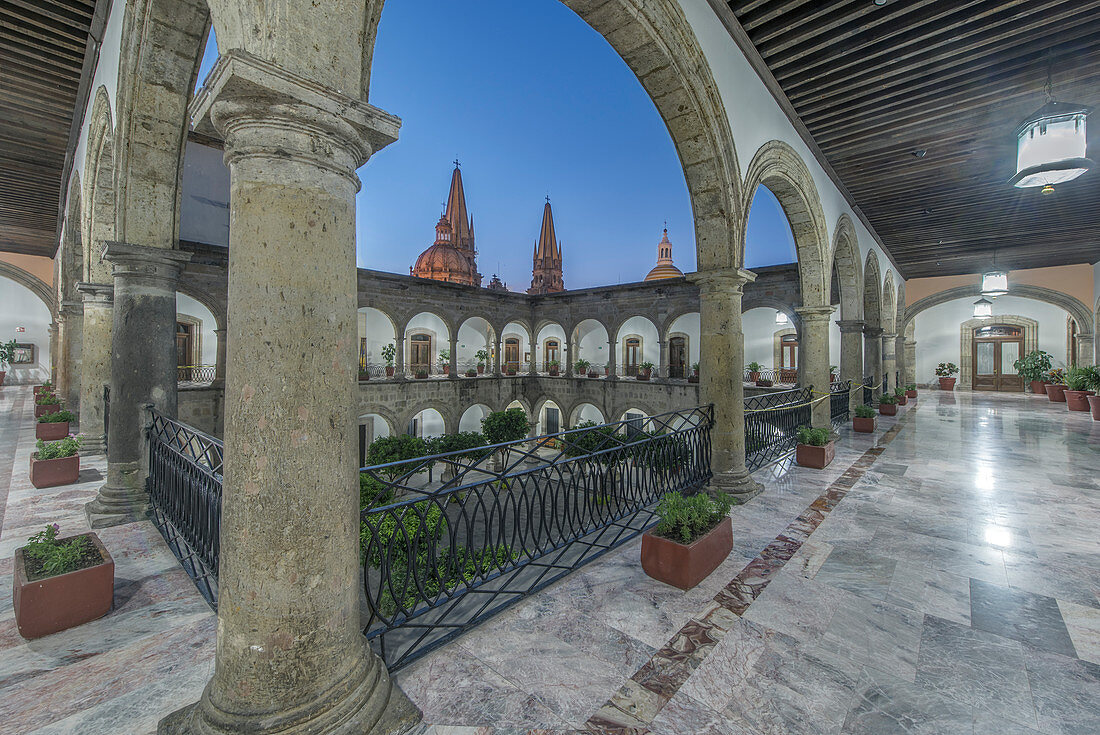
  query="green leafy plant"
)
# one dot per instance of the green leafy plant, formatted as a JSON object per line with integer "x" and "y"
{"x": 47, "y": 385}
{"x": 581, "y": 366}
{"x": 814, "y": 437}
{"x": 422, "y": 373}
{"x": 402, "y": 532}
{"x": 386, "y": 449}
{"x": 444, "y": 357}
{"x": 832, "y": 368}
{"x": 864, "y": 412}
{"x": 645, "y": 366}
{"x": 899, "y": 392}
{"x": 695, "y": 366}
{"x": 754, "y": 367}
{"x": 505, "y": 426}
{"x": 57, "y": 417}
{"x": 59, "y": 449}
{"x": 373, "y": 492}
{"x": 482, "y": 356}
{"x": 946, "y": 369}
{"x": 7, "y": 352}
{"x": 46, "y": 556}
{"x": 1034, "y": 365}
{"x": 590, "y": 437}
{"x": 553, "y": 364}
{"x": 887, "y": 400}
{"x": 1057, "y": 376}
{"x": 389, "y": 352}
{"x": 684, "y": 519}
{"x": 471, "y": 373}
{"x": 1078, "y": 378}
{"x": 472, "y": 441}
{"x": 47, "y": 399}
{"x": 910, "y": 386}
{"x": 1094, "y": 377}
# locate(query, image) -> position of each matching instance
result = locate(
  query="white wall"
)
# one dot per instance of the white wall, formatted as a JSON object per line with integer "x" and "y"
{"x": 106, "y": 75}
{"x": 759, "y": 327}
{"x": 429, "y": 423}
{"x": 937, "y": 330}
{"x": 204, "y": 204}
{"x": 834, "y": 344}
{"x": 591, "y": 339}
{"x": 514, "y": 330}
{"x": 651, "y": 344}
{"x": 689, "y": 324}
{"x": 472, "y": 416}
{"x": 587, "y": 412}
{"x": 377, "y": 329}
{"x": 207, "y": 324}
{"x": 19, "y": 307}
{"x": 474, "y": 335}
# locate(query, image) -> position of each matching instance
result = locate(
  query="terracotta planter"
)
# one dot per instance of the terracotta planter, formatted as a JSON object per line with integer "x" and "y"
{"x": 446, "y": 369}
{"x": 510, "y": 372}
{"x": 554, "y": 371}
{"x": 1094, "y": 406}
{"x": 911, "y": 393}
{"x": 754, "y": 375}
{"x": 863, "y": 426}
{"x": 3, "y": 373}
{"x": 1077, "y": 400}
{"x": 764, "y": 384}
{"x": 888, "y": 409}
{"x": 686, "y": 566}
{"x": 693, "y": 378}
{"x": 817, "y": 458}
{"x": 49, "y": 605}
{"x": 593, "y": 374}
{"x": 51, "y": 432}
{"x": 364, "y": 376}
{"x": 903, "y": 401}
{"x": 947, "y": 383}
{"x": 389, "y": 371}
{"x": 480, "y": 369}
{"x": 421, "y": 376}
{"x": 1056, "y": 392}
{"x": 1038, "y": 387}
{"x": 471, "y": 373}
{"x": 644, "y": 374}
{"x": 40, "y": 411}
{"x": 54, "y": 472}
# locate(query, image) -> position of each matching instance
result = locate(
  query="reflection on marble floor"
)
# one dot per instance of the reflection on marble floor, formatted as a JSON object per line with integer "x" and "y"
{"x": 941, "y": 579}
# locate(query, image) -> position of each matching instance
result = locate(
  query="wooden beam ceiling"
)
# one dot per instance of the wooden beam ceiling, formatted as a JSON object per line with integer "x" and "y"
{"x": 43, "y": 50}
{"x": 873, "y": 85}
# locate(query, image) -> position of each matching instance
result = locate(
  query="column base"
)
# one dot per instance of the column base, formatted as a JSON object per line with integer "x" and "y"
{"x": 738, "y": 484}
{"x": 122, "y": 500}
{"x": 93, "y": 446}
{"x": 374, "y": 706}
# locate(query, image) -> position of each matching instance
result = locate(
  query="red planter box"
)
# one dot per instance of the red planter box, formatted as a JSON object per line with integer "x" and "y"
{"x": 911, "y": 393}
{"x": 389, "y": 371}
{"x": 754, "y": 376}
{"x": 947, "y": 383}
{"x": 54, "y": 604}
{"x": 888, "y": 409}
{"x": 1038, "y": 387}
{"x": 817, "y": 458}
{"x": 1077, "y": 400}
{"x": 863, "y": 426}
{"x": 1056, "y": 392}
{"x": 1094, "y": 406}
{"x": 40, "y": 389}
{"x": 54, "y": 472}
{"x": 51, "y": 432}
{"x": 593, "y": 374}
{"x": 46, "y": 408}
{"x": 686, "y": 566}
{"x": 903, "y": 400}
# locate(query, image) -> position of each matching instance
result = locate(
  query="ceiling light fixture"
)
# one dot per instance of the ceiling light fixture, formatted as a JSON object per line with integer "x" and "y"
{"x": 994, "y": 282}
{"x": 983, "y": 309}
{"x": 1050, "y": 144}
{"x": 781, "y": 318}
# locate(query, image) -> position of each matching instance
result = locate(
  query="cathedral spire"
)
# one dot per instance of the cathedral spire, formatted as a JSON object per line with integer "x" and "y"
{"x": 457, "y": 215}
{"x": 546, "y": 273}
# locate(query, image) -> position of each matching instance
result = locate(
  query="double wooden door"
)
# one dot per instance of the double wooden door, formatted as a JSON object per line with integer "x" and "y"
{"x": 677, "y": 357}
{"x": 995, "y": 349}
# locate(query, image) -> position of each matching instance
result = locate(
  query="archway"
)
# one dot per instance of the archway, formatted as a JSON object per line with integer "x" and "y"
{"x": 371, "y": 426}
{"x": 377, "y": 334}
{"x": 590, "y": 343}
{"x": 99, "y": 190}
{"x": 515, "y": 345}
{"x": 426, "y": 423}
{"x": 586, "y": 412}
{"x": 550, "y": 345}
{"x": 637, "y": 342}
{"x": 427, "y": 337}
{"x": 472, "y": 416}
{"x": 476, "y": 339}
{"x": 27, "y": 308}
{"x": 682, "y": 346}
{"x": 549, "y": 417}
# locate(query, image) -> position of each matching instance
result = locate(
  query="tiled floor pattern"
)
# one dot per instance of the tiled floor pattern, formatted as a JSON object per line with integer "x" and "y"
{"x": 954, "y": 590}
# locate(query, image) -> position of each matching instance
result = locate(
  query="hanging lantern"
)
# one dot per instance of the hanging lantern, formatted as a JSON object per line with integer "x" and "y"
{"x": 983, "y": 309}
{"x": 994, "y": 284}
{"x": 1050, "y": 146}
{"x": 781, "y": 318}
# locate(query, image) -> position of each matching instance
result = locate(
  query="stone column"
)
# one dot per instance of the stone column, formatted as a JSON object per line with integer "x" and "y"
{"x": 68, "y": 373}
{"x": 813, "y": 357}
{"x": 851, "y": 358}
{"x": 872, "y": 356}
{"x": 1084, "y": 349}
{"x": 899, "y": 358}
{"x": 143, "y": 371}
{"x": 453, "y": 351}
{"x": 567, "y": 357}
{"x": 662, "y": 360}
{"x": 291, "y": 657}
{"x": 399, "y": 353}
{"x": 611, "y": 364}
{"x": 532, "y": 367}
{"x": 95, "y": 364}
{"x": 497, "y": 348}
{"x": 52, "y": 332}
{"x": 721, "y": 367}
{"x": 910, "y": 361}
{"x": 219, "y": 361}
{"x": 889, "y": 362}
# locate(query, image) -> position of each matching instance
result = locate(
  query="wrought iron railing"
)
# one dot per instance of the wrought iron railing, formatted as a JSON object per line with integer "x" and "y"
{"x": 869, "y": 389}
{"x": 508, "y": 520}
{"x": 839, "y": 401}
{"x": 185, "y": 490}
{"x": 195, "y": 373}
{"x": 371, "y": 370}
{"x": 782, "y": 376}
{"x": 771, "y": 424}
{"x": 106, "y": 416}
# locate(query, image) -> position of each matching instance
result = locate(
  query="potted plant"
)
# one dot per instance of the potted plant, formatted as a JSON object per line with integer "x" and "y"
{"x": 1033, "y": 367}
{"x": 422, "y": 373}
{"x": 833, "y": 377}
{"x": 7, "y": 355}
{"x": 61, "y": 583}
{"x": 910, "y": 390}
{"x": 56, "y": 463}
{"x": 1056, "y": 385}
{"x": 1094, "y": 385}
{"x": 814, "y": 449}
{"x": 388, "y": 353}
{"x": 445, "y": 361}
{"x": 46, "y": 403}
{"x": 54, "y": 426}
{"x": 864, "y": 420}
{"x": 580, "y": 367}
{"x": 471, "y": 373}
{"x": 899, "y": 394}
{"x": 482, "y": 357}
{"x": 1078, "y": 380}
{"x": 46, "y": 387}
{"x": 946, "y": 372}
{"x": 694, "y": 377}
{"x": 645, "y": 371}
{"x": 763, "y": 383}
{"x": 692, "y": 538}
{"x": 754, "y": 370}
{"x": 887, "y": 405}
{"x": 554, "y": 367}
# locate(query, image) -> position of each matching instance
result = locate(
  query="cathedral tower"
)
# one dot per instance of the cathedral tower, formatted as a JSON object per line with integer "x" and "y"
{"x": 453, "y": 257}
{"x": 546, "y": 276}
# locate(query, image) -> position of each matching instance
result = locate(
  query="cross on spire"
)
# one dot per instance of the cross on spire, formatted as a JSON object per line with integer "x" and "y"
{"x": 457, "y": 164}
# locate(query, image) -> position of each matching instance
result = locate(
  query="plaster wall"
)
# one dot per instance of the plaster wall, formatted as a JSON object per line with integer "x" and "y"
{"x": 592, "y": 343}
{"x": 36, "y": 265}
{"x": 378, "y": 331}
{"x": 208, "y": 343}
{"x": 688, "y": 324}
{"x": 473, "y": 336}
{"x": 1080, "y": 281}
{"x": 759, "y": 327}
{"x": 938, "y": 337}
{"x": 22, "y": 308}
{"x": 204, "y": 203}
{"x": 651, "y": 347}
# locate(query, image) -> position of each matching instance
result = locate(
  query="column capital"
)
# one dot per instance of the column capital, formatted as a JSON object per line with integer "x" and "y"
{"x": 873, "y": 332}
{"x": 815, "y": 313}
{"x": 71, "y": 308}
{"x": 851, "y": 326}
{"x": 889, "y": 335}
{"x": 219, "y": 332}
{"x": 259, "y": 107}
{"x": 100, "y": 293}
{"x": 142, "y": 261}
{"x": 1083, "y": 336}
{"x": 722, "y": 280}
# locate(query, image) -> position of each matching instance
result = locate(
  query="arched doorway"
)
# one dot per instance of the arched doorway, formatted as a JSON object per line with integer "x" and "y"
{"x": 995, "y": 347}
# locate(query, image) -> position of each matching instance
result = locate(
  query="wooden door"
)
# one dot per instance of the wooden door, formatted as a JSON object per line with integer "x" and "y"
{"x": 788, "y": 368}
{"x": 551, "y": 353}
{"x": 633, "y": 355}
{"x": 511, "y": 354}
{"x": 677, "y": 357}
{"x": 420, "y": 348}
{"x": 995, "y": 348}
{"x": 184, "y": 348}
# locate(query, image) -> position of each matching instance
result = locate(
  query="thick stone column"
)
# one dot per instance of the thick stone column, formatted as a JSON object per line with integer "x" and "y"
{"x": 851, "y": 358}
{"x": 889, "y": 361}
{"x": 532, "y": 366}
{"x": 219, "y": 360}
{"x": 899, "y": 359}
{"x": 662, "y": 361}
{"x": 872, "y": 356}
{"x": 95, "y": 364}
{"x": 813, "y": 357}
{"x": 71, "y": 322}
{"x": 1084, "y": 349}
{"x": 910, "y": 360}
{"x": 721, "y": 367}
{"x": 291, "y": 658}
{"x": 143, "y": 371}
{"x": 611, "y": 364}
{"x": 497, "y": 349}
{"x": 567, "y": 357}
{"x": 453, "y": 352}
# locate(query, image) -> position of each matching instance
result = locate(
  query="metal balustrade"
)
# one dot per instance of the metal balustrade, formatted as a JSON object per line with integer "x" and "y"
{"x": 196, "y": 373}
{"x": 868, "y": 390}
{"x": 782, "y": 376}
{"x": 839, "y": 400}
{"x": 771, "y": 424}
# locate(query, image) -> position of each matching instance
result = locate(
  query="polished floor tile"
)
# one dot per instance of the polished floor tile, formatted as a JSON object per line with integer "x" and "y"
{"x": 1032, "y": 619}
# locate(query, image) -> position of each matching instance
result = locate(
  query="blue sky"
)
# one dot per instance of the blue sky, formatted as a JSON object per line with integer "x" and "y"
{"x": 533, "y": 102}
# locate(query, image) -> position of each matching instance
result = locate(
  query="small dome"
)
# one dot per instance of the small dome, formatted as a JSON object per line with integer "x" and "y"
{"x": 664, "y": 271}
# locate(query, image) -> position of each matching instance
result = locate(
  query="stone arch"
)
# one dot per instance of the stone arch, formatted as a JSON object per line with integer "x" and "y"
{"x": 409, "y": 414}
{"x": 369, "y": 407}
{"x": 1074, "y": 306}
{"x": 1030, "y": 328}
{"x": 70, "y": 270}
{"x": 33, "y": 283}
{"x": 574, "y": 413}
{"x": 872, "y": 291}
{"x": 215, "y": 307}
{"x": 889, "y": 303}
{"x": 466, "y": 410}
{"x": 844, "y": 260}
{"x": 99, "y": 190}
{"x": 778, "y": 167}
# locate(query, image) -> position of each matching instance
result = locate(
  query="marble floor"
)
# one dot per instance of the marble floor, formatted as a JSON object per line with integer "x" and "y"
{"x": 941, "y": 576}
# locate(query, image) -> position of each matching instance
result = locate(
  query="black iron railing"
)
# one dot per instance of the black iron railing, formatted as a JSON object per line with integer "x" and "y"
{"x": 510, "y": 519}
{"x": 869, "y": 389}
{"x": 185, "y": 489}
{"x": 771, "y": 424}
{"x": 839, "y": 399}
{"x": 782, "y": 376}
{"x": 371, "y": 370}
{"x": 195, "y": 373}
{"x": 106, "y": 415}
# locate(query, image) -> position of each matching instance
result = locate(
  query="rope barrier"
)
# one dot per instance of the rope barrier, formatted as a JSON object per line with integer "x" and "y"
{"x": 787, "y": 406}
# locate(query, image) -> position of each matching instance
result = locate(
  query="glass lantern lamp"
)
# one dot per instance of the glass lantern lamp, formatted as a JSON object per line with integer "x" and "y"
{"x": 781, "y": 318}
{"x": 994, "y": 284}
{"x": 1050, "y": 146}
{"x": 983, "y": 309}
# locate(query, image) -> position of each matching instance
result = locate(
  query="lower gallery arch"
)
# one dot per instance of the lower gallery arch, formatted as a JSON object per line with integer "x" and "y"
{"x": 586, "y": 412}
{"x": 25, "y": 308}
{"x": 472, "y": 416}
{"x": 371, "y": 426}
{"x": 426, "y": 423}
{"x": 548, "y": 417}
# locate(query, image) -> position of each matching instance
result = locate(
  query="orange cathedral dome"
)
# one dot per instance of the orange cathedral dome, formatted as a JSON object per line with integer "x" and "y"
{"x": 664, "y": 267}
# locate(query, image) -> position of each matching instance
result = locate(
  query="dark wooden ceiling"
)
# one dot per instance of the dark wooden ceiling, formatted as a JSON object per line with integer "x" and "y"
{"x": 43, "y": 44}
{"x": 873, "y": 84}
